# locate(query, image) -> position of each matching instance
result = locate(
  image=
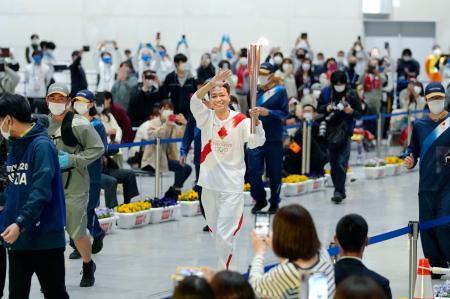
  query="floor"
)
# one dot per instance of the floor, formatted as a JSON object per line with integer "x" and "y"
{"x": 138, "y": 263}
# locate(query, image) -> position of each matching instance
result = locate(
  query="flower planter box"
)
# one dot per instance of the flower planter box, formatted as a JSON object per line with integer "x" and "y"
{"x": 107, "y": 224}
{"x": 373, "y": 173}
{"x": 133, "y": 220}
{"x": 190, "y": 208}
{"x": 295, "y": 189}
{"x": 317, "y": 184}
{"x": 165, "y": 214}
{"x": 248, "y": 199}
{"x": 390, "y": 169}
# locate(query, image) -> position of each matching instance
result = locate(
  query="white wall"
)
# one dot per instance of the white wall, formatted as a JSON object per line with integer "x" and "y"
{"x": 331, "y": 24}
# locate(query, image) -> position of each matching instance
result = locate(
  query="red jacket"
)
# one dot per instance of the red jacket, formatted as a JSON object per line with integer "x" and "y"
{"x": 124, "y": 122}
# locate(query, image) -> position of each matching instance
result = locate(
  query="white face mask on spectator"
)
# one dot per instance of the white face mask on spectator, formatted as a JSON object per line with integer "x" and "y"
{"x": 316, "y": 93}
{"x": 243, "y": 61}
{"x": 56, "y": 108}
{"x": 417, "y": 89}
{"x": 308, "y": 116}
{"x": 165, "y": 114}
{"x": 80, "y": 107}
{"x": 306, "y": 67}
{"x": 339, "y": 88}
{"x": 278, "y": 59}
{"x": 263, "y": 80}
{"x": 436, "y": 106}
{"x": 99, "y": 109}
{"x": 287, "y": 68}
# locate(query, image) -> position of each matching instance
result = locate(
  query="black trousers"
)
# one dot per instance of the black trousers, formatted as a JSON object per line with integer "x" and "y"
{"x": 48, "y": 266}
{"x": 109, "y": 180}
{"x": 2, "y": 269}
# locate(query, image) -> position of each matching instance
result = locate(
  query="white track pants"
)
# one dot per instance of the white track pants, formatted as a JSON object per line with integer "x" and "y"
{"x": 224, "y": 216}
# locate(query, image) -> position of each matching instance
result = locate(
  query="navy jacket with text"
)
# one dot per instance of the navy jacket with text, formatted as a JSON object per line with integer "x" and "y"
{"x": 35, "y": 194}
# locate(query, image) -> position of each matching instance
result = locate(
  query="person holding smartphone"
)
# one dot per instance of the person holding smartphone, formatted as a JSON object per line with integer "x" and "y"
{"x": 77, "y": 74}
{"x": 295, "y": 242}
{"x": 222, "y": 167}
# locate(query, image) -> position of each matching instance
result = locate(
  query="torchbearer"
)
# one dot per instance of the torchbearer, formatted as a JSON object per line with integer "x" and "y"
{"x": 430, "y": 143}
{"x": 222, "y": 168}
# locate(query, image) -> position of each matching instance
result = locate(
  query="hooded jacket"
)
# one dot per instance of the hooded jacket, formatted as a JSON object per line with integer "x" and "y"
{"x": 34, "y": 197}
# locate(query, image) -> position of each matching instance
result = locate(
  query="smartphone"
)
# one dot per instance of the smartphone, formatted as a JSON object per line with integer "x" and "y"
{"x": 86, "y": 48}
{"x": 4, "y": 52}
{"x": 304, "y": 35}
{"x": 262, "y": 224}
{"x": 183, "y": 272}
{"x": 317, "y": 286}
{"x": 99, "y": 99}
{"x": 173, "y": 117}
{"x": 359, "y": 38}
{"x": 386, "y": 45}
{"x": 158, "y": 35}
{"x": 60, "y": 67}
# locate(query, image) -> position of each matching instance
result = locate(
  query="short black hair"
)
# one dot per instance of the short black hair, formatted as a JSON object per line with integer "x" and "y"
{"x": 43, "y": 44}
{"x": 193, "y": 287}
{"x": 75, "y": 53}
{"x": 338, "y": 77}
{"x": 15, "y": 106}
{"x": 309, "y": 105}
{"x": 222, "y": 62}
{"x": 407, "y": 52}
{"x": 34, "y": 35}
{"x": 243, "y": 52}
{"x": 51, "y": 45}
{"x": 351, "y": 232}
{"x": 108, "y": 95}
{"x": 180, "y": 57}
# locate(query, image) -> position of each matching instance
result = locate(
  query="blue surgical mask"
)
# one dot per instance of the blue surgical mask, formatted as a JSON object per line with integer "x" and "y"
{"x": 229, "y": 54}
{"x": 107, "y": 59}
{"x": 162, "y": 53}
{"x": 146, "y": 58}
{"x": 37, "y": 58}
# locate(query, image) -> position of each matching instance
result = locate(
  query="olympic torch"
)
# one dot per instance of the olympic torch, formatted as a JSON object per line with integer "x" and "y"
{"x": 254, "y": 57}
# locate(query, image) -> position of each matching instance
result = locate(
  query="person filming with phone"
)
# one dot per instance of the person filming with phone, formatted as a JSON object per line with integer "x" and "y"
{"x": 295, "y": 242}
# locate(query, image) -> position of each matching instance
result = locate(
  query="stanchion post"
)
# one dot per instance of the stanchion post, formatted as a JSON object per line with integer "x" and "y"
{"x": 304, "y": 132}
{"x": 413, "y": 237}
{"x": 308, "y": 148}
{"x": 408, "y": 128}
{"x": 157, "y": 168}
{"x": 379, "y": 133}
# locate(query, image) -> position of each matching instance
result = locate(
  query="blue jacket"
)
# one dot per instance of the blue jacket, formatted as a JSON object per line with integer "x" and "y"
{"x": 277, "y": 104}
{"x": 95, "y": 168}
{"x": 192, "y": 133}
{"x": 35, "y": 196}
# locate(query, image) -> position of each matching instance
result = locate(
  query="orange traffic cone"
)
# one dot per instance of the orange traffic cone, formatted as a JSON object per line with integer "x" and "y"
{"x": 423, "y": 288}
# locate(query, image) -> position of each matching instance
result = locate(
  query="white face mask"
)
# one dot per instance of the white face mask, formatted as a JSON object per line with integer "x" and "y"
{"x": 56, "y": 108}
{"x": 436, "y": 106}
{"x": 99, "y": 109}
{"x": 417, "y": 89}
{"x": 287, "y": 68}
{"x": 185, "y": 67}
{"x": 437, "y": 52}
{"x": 243, "y": 61}
{"x": 277, "y": 59}
{"x": 339, "y": 88}
{"x": 340, "y": 59}
{"x": 166, "y": 113}
{"x": 306, "y": 66}
{"x": 263, "y": 80}
{"x": 316, "y": 93}
{"x": 7, "y": 134}
{"x": 80, "y": 107}
{"x": 308, "y": 115}
{"x": 215, "y": 58}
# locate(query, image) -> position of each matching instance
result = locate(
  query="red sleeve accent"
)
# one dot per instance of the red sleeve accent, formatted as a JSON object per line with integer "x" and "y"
{"x": 238, "y": 118}
{"x": 205, "y": 152}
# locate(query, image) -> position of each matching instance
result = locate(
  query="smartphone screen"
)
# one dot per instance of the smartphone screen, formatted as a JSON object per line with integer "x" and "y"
{"x": 262, "y": 224}
{"x": 86, "y": 48}
{"x": 317, "y": 286}
{"x": 173, "y": 118}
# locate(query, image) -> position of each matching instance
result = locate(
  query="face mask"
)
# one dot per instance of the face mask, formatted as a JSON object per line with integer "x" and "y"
{"x": 186, "y": 67}
{"x": 37, "y": 59}
{"x": 80, "y": 107}
{"x": 320, "y": 61}
{"x": 229, "y": 54}
{"x": 35, "y": 41}
{"x": 99, "y": 109}
{"x": 332, "y": 67}
{"x": 436, "y": 106}
{"x": 287, "y": 68}
{"x": 417, "y": 89}
{"x": 360, "y": 55}
{"x": 7, "y": 134}
{"x": 206, "y": 61}
{"x": 215, "y": 57}
{"x": 225, "y": 66}
{"x": 56, "y": 108}
{"x": 50, "y": 52}
{"x": 146, "y": 58}
{"x": 243, "y": 61}
{"x": 340, "y": 59}
{"x": 339, "y": 88}
{"x": 316, "y": 93}
{"x": 166, "y": 113}
{"x": 406, "y": 58}
{"x": 278, "y": 59}
{"x": 308, "y": 115}
{"x": 358, "y": 48}
{"x": 107, "y": 59}
{"x": 437, "y": 52}
{"x": 162, "y": 53}
{"x": 306, "y": 66}
{"x": 263, "y": 80}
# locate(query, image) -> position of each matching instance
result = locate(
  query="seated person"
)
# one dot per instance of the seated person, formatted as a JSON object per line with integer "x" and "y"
{"x": 351, "y": 237}
{"x": 292, "y": 163}
{"x": 295, "y": 242}
{"x": 165, "y": 124}
{"x": 121, "y": 116}
{"x": 193, "y": 287}
{"x": 231, "y": 285}
{"x": 359, "y": 287}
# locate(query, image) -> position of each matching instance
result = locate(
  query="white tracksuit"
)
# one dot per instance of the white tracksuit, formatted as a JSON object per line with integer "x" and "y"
{"x": 222, "y": 170}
